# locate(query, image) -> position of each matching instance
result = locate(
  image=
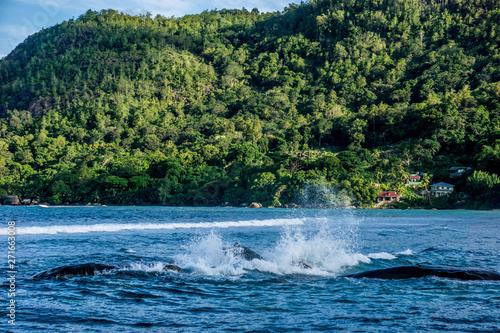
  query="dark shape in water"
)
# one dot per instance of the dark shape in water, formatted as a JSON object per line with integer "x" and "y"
{"x": 248, "y": 254}
{"x": 301, "y": 264}
{"x": 430, "y": 249}
{"x": 87, "y": 269}
{"x": 91, "y": 268}
{"x": 73, "y": 270}
{"x": 172, "y": 267}
{"x": 408, "y": 272}
{"x": 244, "y": 252}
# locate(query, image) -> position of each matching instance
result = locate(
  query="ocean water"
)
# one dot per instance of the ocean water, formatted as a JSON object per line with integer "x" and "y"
{"x": 219, "y": 292}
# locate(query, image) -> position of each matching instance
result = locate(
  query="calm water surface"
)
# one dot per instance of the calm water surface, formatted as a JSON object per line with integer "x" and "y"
{"x": 217, "y": 292}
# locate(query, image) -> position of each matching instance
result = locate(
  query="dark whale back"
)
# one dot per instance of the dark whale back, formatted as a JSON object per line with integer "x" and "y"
{"x": 73, "y": 270}
{"x": 249, "y": 254}
{"x": 87, "y": 269}
{"x": 244, "y": 252}
{"x": 465, "y": 273}
{"x": 408, "y": 272}
{"x": 172, "y": 267}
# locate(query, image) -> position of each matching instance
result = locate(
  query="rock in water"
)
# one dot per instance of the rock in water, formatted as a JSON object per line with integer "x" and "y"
{"x": 11, "y": 200}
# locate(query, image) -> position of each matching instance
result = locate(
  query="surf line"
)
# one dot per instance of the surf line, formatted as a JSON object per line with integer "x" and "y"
{"x": 114, "y": 227}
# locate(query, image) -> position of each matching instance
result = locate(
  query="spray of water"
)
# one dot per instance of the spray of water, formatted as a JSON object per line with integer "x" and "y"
{"x": 330, "y": 243}
{"x": 209, "y": 255}
{"x": 325, "y": 243}
{"x": 321, "y": 248}
{"x": 325, "y": 247}
{"x": 317, "y": 194}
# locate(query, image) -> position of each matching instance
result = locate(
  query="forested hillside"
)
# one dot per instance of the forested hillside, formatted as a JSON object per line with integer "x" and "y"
{"x": 238, "y": 106}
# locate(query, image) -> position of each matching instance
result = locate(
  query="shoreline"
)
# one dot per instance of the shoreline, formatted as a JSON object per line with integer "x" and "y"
{"x": 46, "y": 205}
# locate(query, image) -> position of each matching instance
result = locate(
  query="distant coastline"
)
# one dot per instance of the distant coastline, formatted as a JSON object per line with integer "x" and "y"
{"x": 47, "y": 205}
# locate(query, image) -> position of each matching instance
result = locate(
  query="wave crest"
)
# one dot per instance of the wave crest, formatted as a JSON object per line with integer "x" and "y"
{"x": 114, "y": 227}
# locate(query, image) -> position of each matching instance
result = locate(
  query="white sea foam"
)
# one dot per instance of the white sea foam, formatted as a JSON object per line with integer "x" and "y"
{"x": 382, "y": 255}
{"x": 113, "y": 227}
{"x": 127, "y": 250}
{"x": 406, "y": 253}
{"x": 389, "y": 256}
{"x": 147, "y": 267}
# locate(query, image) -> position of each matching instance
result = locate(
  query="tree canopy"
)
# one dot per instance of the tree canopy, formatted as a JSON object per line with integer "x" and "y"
{"x": 237, "y": 106}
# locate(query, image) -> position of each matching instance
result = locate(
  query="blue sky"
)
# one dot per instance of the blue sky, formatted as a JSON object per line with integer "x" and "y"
{"x": 21, "y": 18}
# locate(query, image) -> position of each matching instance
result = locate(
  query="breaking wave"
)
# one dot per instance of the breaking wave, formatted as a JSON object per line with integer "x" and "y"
{"x": 114, "y": 227}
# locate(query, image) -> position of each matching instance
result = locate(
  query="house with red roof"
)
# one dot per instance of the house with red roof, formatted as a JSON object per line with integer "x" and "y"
{"x": 388, "y": 197}
{"x": 414, "y": 180}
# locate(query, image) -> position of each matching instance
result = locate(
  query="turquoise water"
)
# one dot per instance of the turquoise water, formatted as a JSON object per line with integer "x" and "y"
{"x": 217, "y": 292}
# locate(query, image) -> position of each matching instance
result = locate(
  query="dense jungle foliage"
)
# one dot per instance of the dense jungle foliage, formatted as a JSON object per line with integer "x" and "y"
{"x": 234, "y": 106}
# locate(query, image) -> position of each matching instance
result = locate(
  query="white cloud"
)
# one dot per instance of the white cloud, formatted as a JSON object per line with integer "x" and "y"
{"x": 15, "y": 31}
{"x": 49, "y": 7}
{"x": 45, "y": 3}
{"x": 13, "y": 35}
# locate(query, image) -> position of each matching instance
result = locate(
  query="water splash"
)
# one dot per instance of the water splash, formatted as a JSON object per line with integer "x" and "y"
{"x": 208, "y": 255}
{"x": 321, "y": 246}
{"x": 317, "y": 194}
{"x": 328, "y": 246}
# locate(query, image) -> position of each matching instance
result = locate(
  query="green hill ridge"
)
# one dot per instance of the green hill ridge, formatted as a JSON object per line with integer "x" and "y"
{"x": 235, "y": 106}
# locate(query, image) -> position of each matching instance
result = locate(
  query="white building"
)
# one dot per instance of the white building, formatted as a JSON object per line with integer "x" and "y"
{"x": 440, "y": 189}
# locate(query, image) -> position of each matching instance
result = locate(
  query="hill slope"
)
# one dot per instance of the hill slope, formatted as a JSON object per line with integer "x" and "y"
{"x": 238, "y": 106}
